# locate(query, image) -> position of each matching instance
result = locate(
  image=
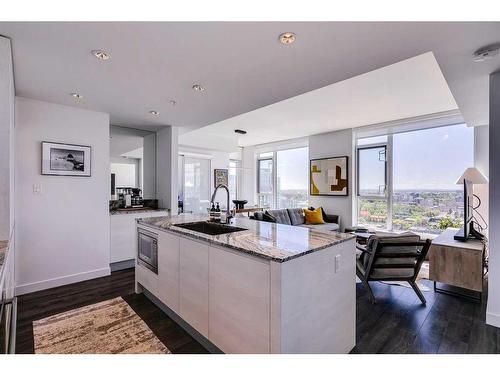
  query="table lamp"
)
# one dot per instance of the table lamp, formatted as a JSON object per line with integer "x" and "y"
{"x": 475, "y": 176}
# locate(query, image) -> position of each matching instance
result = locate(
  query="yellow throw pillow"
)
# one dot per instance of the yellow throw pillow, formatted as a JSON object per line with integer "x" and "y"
{"x": 314, "y": 217}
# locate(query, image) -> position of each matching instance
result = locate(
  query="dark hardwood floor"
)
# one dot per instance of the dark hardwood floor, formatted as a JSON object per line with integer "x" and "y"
{"x": 42, "y": 304}
{"x": 398, "y": 323}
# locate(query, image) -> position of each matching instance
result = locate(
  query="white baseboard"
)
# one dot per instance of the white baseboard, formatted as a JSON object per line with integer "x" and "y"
{"x": 63, "y": 280}
{"x": 493, "y": 319}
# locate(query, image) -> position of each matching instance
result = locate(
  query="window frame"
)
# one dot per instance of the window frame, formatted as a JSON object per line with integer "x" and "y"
{"x": 389, "y": 197}
{"x": 388, "y": 194}
{"x": 274, "y": 177}
{"x": 272, "y": 194}
{"x": 386, "y": 187}
{"x": 237, "y": 168}
{"x": 258, "y": 174}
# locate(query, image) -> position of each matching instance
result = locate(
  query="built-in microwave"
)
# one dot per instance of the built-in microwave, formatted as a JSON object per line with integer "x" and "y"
{"x": 147, "y": 249}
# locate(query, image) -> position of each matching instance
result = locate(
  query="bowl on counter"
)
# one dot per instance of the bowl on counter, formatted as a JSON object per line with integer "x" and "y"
{"x": 239, "y": 203}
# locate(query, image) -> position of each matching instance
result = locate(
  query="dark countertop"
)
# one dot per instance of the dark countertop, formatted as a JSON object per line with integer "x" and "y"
{"x": 126, "y": 211}
{"x": 276, "y": 242}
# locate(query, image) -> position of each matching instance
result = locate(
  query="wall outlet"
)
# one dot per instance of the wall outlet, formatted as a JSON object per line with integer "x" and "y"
{"x": 337, "y": 263}
{"x": 37, "y": 189}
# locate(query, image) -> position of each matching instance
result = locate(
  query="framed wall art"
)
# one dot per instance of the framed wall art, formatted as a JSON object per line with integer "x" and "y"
{"x": 329, "y": 176}
{"x": 221, "y": 176}
{"x": 64, "y": 159}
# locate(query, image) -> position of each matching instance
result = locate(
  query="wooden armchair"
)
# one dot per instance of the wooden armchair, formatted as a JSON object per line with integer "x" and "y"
{"x": 392, "y": 258}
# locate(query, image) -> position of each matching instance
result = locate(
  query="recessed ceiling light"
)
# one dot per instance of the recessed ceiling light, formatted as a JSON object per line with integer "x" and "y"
{"x": 198, "y": 88}
{"x": 154, "y": 113}
{"x": 100, "y": 54}
{"x": 287, "y": 38}
{"x": 485, "y": 53}
{"x": 172, "y": 103}
{"x": 76, "y": 95}
{"x": 239, "y": 131}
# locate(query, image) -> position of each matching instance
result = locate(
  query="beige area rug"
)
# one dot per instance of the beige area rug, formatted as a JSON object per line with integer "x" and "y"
{"x": 107, "y": 327}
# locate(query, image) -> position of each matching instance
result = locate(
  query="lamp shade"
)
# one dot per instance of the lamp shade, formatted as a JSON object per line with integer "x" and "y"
{"x": 473, "y": 175}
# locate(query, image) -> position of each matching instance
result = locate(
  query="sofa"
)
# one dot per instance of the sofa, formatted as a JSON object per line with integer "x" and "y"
{"x": 295, "y": 217}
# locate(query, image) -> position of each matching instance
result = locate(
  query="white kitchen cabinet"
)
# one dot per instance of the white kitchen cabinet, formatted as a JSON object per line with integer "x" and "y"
{"x": 123, "y": 243}
{"x": 239, "y": 307}
{"x": 193, "y": 284}
{"x": 147, "y": 278}
{"x": 168, "y": 270}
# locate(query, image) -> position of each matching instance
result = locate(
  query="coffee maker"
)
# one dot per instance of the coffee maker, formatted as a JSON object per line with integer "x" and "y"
{"x": 136, "y": 198}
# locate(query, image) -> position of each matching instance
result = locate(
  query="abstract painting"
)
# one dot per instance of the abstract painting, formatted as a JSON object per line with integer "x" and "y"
{"x": 329, "y": 176}
{"x": 221, "y": 176}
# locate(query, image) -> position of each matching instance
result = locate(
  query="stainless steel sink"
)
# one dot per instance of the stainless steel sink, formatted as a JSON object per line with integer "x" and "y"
{"x": 206, "y": 227}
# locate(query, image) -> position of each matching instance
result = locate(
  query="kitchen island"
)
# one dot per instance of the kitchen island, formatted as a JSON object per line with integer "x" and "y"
{"x": 267, "y": 288}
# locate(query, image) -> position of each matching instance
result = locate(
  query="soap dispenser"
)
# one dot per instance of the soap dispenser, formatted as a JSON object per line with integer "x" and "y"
{"x": 212, "y": 213}
{"x": 217, "y": 211}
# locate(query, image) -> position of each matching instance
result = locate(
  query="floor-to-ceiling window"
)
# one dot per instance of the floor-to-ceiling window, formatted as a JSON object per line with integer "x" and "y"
{"x": 234, "y": 178}
{"x": 373, "y": 196}
{"x": 292, "y": 177}
{"x": 406, "y": 181}
{"x": 195, "y": 193}
{"x": 282, "y": 178}
{"x": 265, "y": 183}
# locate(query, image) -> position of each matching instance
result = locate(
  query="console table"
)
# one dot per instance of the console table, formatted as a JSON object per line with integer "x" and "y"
{"x": 456, "y": 263}
{"x": 248, "y": 210}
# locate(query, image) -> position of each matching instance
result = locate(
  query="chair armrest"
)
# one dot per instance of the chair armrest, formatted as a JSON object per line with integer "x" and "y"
{"x": 363, "y": 248}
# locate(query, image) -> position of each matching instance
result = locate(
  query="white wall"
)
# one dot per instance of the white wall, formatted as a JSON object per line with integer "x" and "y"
{"x": 339, "y": 143}
{"x": 249, "y": 175}
{"x": 6, "y": 139}
{"x": 149, "y": 167}
{"x": 62, "y": 234}
{"x": 493, "y": 308}
{"x": 166, "y": 167}
{"x": 481, "y": 162}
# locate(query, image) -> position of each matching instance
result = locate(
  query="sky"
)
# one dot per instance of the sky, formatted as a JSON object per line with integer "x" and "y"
{"x": 293, "y": 168}
{"x": 429, "y": 159}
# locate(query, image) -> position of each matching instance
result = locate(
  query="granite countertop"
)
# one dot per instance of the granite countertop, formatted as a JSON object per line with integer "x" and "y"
{"x": 276, "y": 242}
{"x": 3, "y": 250}
{"x": 126, "y": 211}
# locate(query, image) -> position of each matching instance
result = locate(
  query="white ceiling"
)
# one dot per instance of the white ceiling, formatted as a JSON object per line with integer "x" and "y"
{"x": 242, "y": 65}
{"x": 411, "y": 88}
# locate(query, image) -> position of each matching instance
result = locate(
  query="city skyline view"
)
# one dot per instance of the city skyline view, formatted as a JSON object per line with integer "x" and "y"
{"x": 425, "y": 167}
{"x": 430, "y": 159}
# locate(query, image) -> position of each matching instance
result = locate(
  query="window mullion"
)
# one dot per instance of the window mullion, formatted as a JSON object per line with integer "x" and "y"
{"x": 390, "y": 187}
{"x": 275, "y": 180}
